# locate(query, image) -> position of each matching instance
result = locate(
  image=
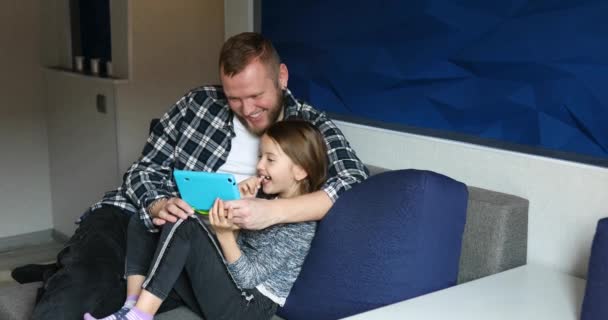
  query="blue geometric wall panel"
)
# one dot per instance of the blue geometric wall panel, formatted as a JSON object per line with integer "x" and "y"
{"x": 532, "y": 73}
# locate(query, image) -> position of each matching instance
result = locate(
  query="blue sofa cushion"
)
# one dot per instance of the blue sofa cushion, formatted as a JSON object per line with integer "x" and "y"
{"x": 393, "y": 237}
{"x": 595, "y": 304}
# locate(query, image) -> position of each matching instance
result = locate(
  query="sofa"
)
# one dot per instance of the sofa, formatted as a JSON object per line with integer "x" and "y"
{"x": 493, "y": 239}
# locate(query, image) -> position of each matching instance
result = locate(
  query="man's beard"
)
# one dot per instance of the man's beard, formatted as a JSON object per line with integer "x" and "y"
{"x": 273, "y": 116}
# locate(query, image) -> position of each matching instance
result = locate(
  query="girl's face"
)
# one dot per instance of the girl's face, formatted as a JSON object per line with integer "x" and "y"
{"x": 280, "y": 175}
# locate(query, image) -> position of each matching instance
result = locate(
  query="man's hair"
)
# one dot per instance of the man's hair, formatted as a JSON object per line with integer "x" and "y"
{"x": 240, "y": 50}
{"x": 305, "y": 146}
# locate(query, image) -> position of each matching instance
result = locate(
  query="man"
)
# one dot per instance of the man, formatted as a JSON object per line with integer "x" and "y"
{"x": 211, "y": 128}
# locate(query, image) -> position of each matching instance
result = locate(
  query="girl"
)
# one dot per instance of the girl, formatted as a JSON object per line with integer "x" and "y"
{"x": 255, "y": 270}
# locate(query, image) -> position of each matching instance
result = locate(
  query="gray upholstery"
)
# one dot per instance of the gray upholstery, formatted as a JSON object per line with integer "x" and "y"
{"x": 181, "y": 313}
{"x": 495, "y": 234}
{"x": 495, "y": 240}
{"x": 16, "y": 301}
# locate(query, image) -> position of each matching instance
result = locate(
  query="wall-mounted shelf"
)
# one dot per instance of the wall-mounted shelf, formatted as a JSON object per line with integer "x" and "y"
{"x": 86, "y": 76}
{"x": 59, "y": 40}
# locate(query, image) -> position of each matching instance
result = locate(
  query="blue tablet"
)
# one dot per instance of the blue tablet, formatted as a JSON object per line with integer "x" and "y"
{"x": 200, "y": 189}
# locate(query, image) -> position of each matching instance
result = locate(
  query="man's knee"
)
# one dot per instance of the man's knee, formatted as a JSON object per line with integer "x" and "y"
{"x": 102, "y": 234}
{"x": 106, "y": 216}
{"x": 80, "y": 288}
{"x": 84, "y": 275}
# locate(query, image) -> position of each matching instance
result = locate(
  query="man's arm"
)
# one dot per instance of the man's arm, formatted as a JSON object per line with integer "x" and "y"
{"x": 344, "y": 171}
{"x": 308, "y": 207}
{"x": 146, "y": 180}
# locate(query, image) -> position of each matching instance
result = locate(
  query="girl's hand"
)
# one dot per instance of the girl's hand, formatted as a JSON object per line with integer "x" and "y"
{"x": 249, "y": 187}
{"x": 221, "y": 219}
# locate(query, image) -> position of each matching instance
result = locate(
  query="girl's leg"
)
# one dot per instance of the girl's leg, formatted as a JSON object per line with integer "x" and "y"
{"x": 148, "y": 302}
{"x": 168, "y": 262}
{"x": 134, "y": 283}
{"x": 187, "y": 245}
{"x": 140, "y": 252}
{"x": 141, "y": 246}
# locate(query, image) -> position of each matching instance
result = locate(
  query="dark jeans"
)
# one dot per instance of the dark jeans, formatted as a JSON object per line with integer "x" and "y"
{"x": 90, "y": 275}
{"x": 91, "y": 270}
{"x": 186, "y": 257}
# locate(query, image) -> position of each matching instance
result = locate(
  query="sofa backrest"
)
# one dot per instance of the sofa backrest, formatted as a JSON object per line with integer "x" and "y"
{"x": 496, "y": 232}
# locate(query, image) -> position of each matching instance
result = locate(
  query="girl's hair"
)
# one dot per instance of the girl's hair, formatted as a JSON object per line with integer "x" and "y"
{"x": 305, "y": 146}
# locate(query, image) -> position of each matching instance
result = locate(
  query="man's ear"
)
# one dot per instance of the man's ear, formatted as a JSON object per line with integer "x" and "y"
{"x": 283, "y": 76}
{"x": 299, "y": 173}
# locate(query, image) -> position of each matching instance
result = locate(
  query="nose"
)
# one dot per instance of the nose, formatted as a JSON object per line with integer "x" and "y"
{"x": 260, "y": 166}
{"x": 248, "y": 106}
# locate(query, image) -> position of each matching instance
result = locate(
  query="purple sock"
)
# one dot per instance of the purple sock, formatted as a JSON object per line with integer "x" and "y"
{"x": 131, "y": 300}
{"x": 129, "y": 303}
{"x": 136, "y": 314}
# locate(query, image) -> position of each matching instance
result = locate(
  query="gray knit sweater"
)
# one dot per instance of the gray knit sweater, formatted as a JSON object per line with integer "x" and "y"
{"x": 272, "y": 258}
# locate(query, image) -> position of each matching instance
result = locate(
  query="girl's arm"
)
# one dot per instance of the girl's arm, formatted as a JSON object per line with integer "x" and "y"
{"x": 277, "y": 249}
{"x": 230, "y": 248}
{"x": 225, "y": 231}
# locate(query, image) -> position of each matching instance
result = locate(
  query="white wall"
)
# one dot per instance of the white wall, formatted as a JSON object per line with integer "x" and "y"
{"x": 566, "y": 199}
{"x": 238, "y": 17}
{"x": 171, "y": 47}
{"x": 175, "y": 47}
{"x": 25, "y": 201}
{"x": 82, "y": 144}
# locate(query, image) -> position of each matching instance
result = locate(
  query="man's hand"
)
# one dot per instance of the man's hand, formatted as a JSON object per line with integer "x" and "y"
{"x": 256, "y": 214}
{"x": 252, "y": 214}
{"x": 170, "y": 210}
{"x": 249, "y": 187}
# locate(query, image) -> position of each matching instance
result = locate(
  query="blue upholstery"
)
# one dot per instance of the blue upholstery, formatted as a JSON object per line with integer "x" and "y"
{"x": 595, "y": 304}
{"x": 393, "y": 237}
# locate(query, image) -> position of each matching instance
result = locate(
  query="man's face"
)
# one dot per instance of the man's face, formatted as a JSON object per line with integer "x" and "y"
{"x": 255, "y": 95}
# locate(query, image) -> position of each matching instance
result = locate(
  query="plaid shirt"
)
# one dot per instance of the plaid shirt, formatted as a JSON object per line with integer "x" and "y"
{"x": 196, "y": 133}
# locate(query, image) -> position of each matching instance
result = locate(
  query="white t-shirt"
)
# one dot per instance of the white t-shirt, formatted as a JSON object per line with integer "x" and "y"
{"x": 243, "y": 156}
